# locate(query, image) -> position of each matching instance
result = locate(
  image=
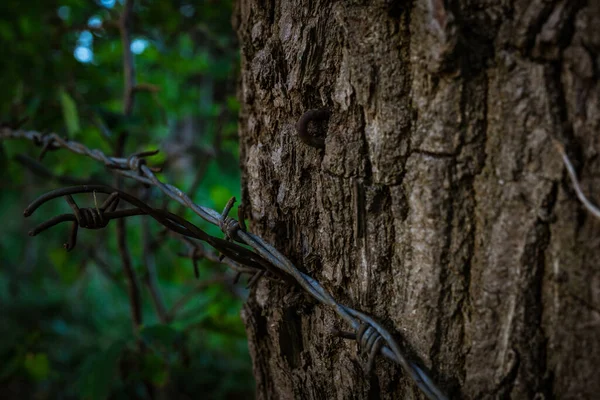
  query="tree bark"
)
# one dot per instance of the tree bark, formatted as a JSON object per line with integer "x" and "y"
{"x": 439, "y": 204}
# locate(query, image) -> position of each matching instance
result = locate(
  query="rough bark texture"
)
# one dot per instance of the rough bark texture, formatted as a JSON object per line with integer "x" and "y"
{"x": 439, "y": 204}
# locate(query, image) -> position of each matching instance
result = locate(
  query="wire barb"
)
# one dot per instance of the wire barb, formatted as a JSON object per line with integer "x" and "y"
{"x": 255, "y": 278}
{"x": 369, "y": 341}
{"x": 228, "y": 225}
{"x": 96, "y": 217}
{"x": 47, "y": 143}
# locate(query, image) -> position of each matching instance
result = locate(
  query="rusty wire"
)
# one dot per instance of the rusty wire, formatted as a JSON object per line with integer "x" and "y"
{"x": 369, "y": 334}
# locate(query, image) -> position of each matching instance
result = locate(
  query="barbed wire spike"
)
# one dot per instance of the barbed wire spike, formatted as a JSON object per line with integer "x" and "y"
{"x": 47, "y": 143}
{"x": 254, "y": 279}
{"x": 228, "y": 225}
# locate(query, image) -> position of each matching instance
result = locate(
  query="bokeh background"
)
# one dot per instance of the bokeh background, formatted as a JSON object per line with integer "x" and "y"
{"x": 66, "y": 328}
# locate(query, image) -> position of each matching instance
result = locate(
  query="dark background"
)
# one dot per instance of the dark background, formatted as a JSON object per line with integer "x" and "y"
{"x": 65, "y": 320}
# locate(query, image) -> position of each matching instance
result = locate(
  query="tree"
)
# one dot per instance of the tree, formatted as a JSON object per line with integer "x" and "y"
{"x": 439, "y": 204}
{"x": 426, "y": 186}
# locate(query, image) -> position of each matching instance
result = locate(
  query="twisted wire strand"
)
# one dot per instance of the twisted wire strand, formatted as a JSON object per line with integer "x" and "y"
{"x": 134, "y": 167}
{"x": 573, "y": 175}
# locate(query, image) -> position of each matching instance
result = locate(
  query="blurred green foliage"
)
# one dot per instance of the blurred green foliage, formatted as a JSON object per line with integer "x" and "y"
{"x": 65, "y": 321}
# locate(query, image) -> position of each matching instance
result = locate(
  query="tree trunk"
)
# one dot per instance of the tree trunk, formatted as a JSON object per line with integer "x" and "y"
{"x": 439, "y": 204}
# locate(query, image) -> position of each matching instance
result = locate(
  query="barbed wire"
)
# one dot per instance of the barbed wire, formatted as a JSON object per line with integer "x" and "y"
{"x": 370, "y": 335}
{"x": 573, "y": 175}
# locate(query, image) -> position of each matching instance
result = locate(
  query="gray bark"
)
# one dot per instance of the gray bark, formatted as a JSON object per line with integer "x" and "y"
{"x": 439, "y": 205}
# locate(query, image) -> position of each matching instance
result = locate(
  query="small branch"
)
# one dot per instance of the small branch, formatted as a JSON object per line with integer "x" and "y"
{"x": 134, "y": 290}
{"x": 128, "y": 67}
{"x": 128, "y": 96}
{"x": 150, "y": 264}
{"x": 573, "y": 175}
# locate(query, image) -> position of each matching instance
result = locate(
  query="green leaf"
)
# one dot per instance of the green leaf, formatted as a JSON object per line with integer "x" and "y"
{"x": 99, "y": 371}
{"x": 37, "y": 365}
{"x": 69, "y": 110}
{"x": 67, "y": 270}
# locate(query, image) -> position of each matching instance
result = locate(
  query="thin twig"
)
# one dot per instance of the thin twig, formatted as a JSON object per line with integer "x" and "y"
{"x": 134, "y": 290}
{"x": 125, "y": 25}
{"x": 573, "y": 175}
{"x": 150, "y": 265}
{"x": 128, "y": 97}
